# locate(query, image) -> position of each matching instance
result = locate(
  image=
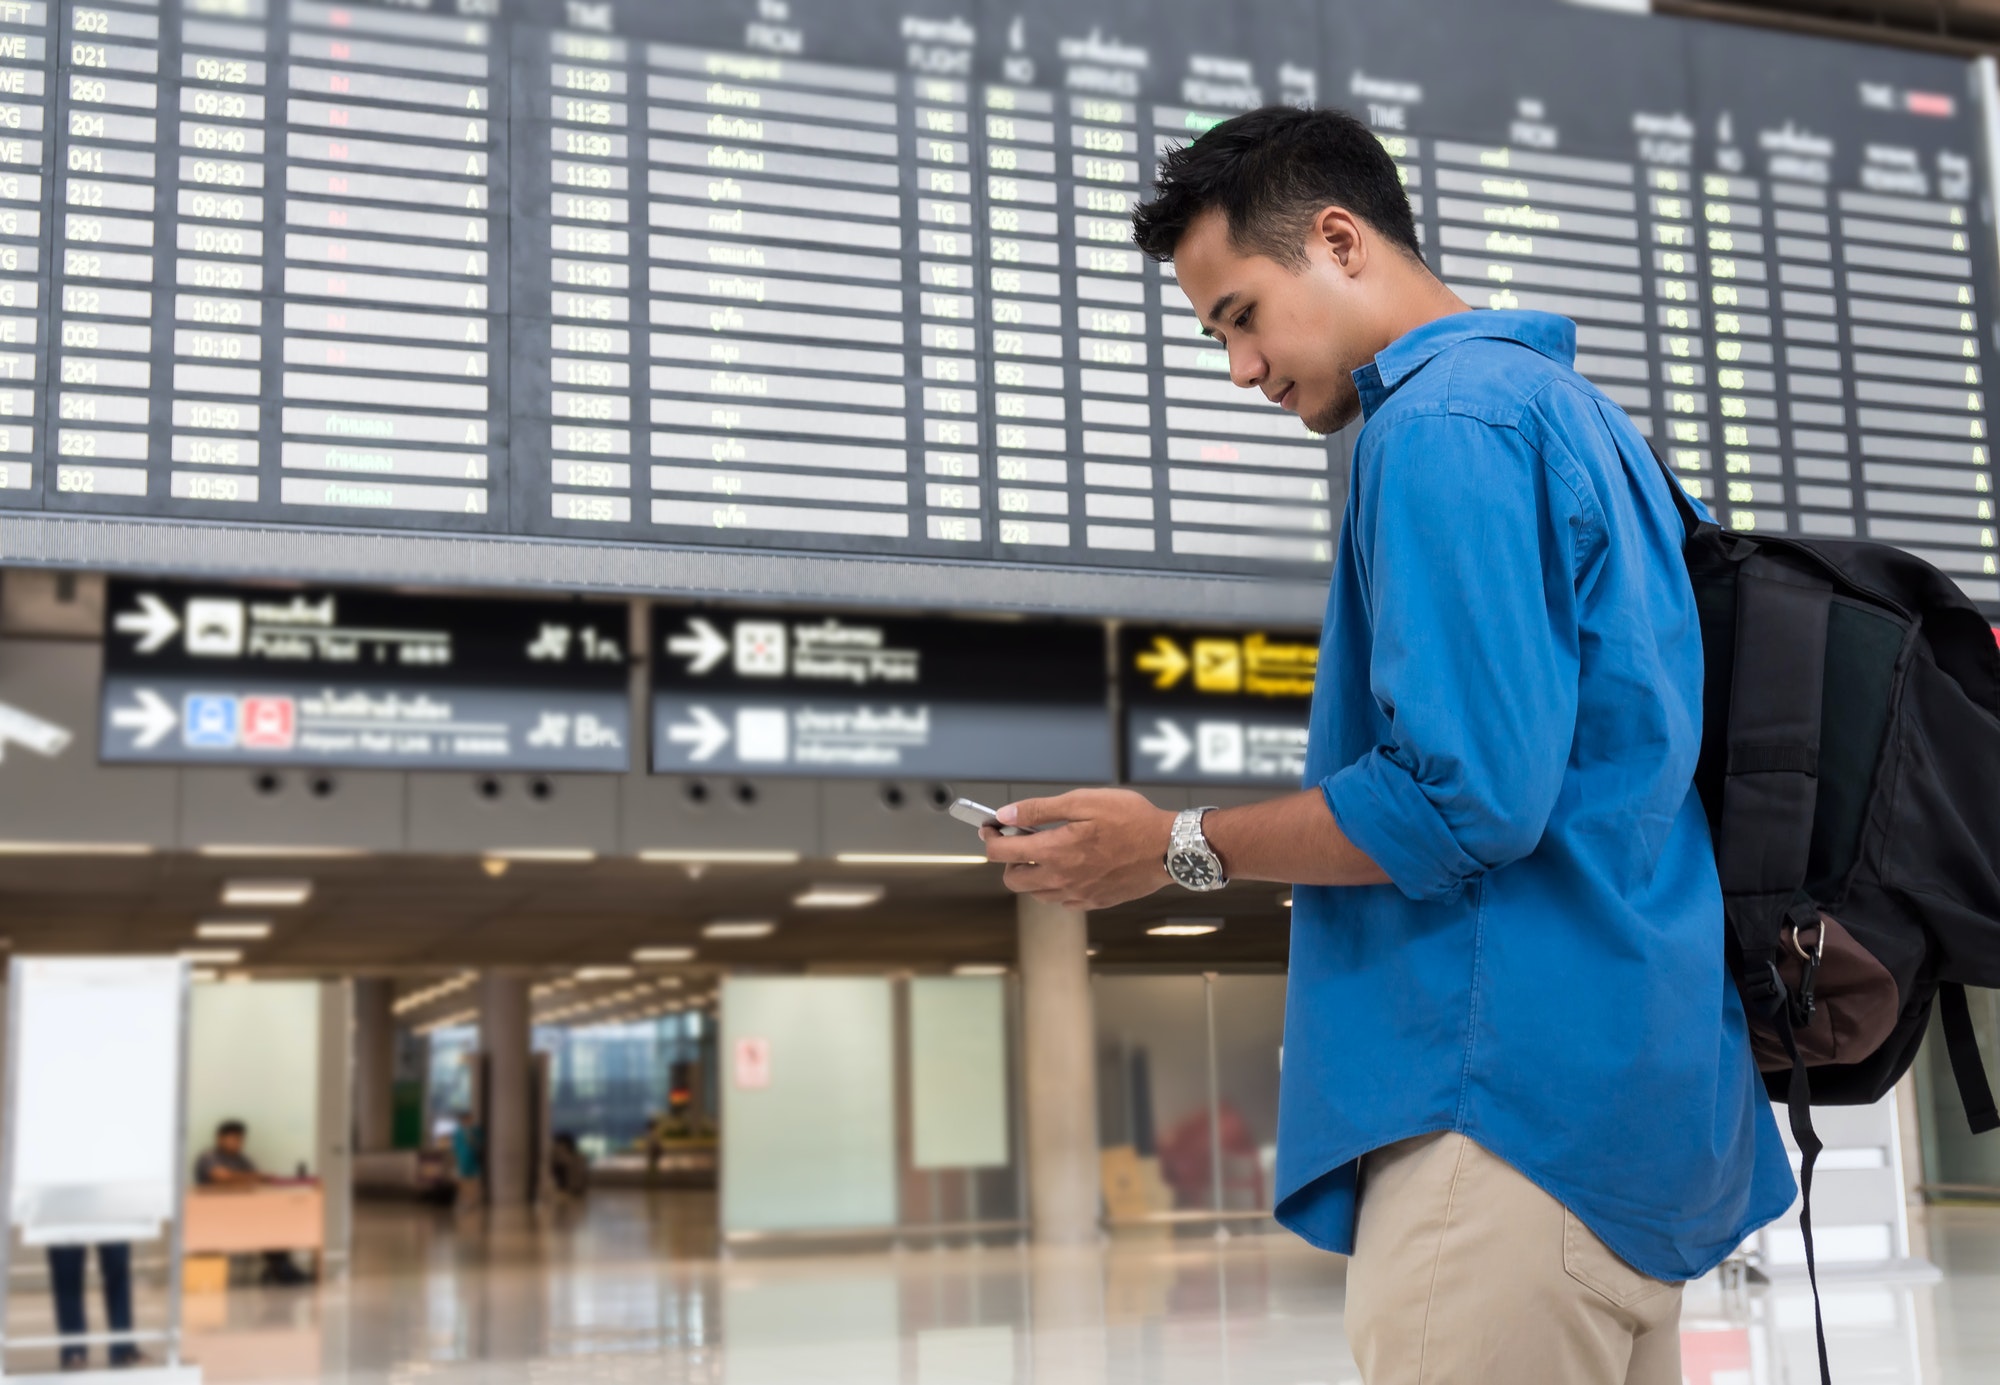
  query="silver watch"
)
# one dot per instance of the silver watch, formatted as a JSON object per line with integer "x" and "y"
{"x": 1191, "y": 861}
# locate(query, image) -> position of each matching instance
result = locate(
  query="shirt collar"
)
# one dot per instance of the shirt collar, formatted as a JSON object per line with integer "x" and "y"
{"x": 1552, "y": 336}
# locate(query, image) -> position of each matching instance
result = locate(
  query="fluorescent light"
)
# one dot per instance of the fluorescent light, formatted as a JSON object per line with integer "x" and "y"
{"x": 839, "y": 897}
{"x": 200, "y": 974}
{"x": 225, "y": 930}
{"x": 75, "y": 849}
{"x": 661, "y": 954}
{"x": 979, "y": 969}
{"x": 906, "y": 858}
{"x": 540, "y": 853}
{"x": 663, "y": 856}
{"x": 1185, "y": 928}
{"x": 739, "y": 928}
{"x": 603, "y": 973}
{"x": 213, "y": 956}
{"x": 265, "y": 894}
{"x": 253, "y": 851}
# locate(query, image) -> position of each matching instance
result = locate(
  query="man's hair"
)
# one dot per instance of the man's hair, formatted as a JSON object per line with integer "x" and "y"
{"x": 1270, "y": 172}
{"x": 228, "y": 1128}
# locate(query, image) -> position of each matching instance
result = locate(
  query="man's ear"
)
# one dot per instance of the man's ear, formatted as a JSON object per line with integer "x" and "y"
{"x": 1342, "y": 237}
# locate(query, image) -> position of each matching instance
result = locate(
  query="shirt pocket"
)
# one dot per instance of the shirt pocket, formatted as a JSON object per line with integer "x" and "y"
{"x": 1597, "y": 1267}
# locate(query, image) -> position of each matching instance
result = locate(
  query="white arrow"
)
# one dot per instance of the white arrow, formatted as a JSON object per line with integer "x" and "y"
{"x": 703, "y": 647}
{"x": 149, "y": 720}
{"x": 1168, "y": 743}
{"x": 154, "y": 623}
{"x": 705, "y": 733}
{"x": 25, "y": 728}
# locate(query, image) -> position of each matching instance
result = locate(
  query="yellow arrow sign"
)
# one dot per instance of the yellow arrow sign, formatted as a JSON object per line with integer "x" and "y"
{"x": 1164, "y": 661}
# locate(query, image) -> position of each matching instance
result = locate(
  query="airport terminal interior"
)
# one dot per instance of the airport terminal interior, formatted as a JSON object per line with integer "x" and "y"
{"x": 532, "y": 532}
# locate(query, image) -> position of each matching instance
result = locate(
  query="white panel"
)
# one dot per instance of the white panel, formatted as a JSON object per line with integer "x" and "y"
{"x": 96, "y": 1067}
{"x": 253, "y": 1056}
{"x": 958, "y": 1072}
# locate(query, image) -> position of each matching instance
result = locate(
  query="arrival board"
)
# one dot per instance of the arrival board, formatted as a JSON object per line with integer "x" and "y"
{"x": 854, "y": 279}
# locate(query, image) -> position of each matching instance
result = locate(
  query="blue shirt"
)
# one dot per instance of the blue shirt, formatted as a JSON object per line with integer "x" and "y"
{"x": 1506, "y": 719}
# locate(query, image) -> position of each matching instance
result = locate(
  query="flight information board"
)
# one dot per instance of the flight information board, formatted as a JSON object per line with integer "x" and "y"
{"x": 853, "y": 278}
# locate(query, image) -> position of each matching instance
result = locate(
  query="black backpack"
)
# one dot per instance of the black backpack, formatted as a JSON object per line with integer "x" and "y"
{"x": 1850, "y": 768}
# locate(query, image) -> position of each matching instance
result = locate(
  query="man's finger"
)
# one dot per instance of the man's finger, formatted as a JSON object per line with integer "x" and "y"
{"x": 1010, "y": 851}
{"x": 1033, "y": 812}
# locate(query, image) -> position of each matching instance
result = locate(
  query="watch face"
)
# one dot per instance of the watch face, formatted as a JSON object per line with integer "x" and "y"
{"x": 1192, "y": 869}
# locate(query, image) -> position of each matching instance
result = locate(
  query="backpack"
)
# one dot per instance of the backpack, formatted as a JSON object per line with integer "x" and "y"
{"x": 1850, "y": 769}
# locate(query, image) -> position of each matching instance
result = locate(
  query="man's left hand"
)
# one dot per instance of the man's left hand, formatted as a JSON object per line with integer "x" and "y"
{"x": 1110, "y": 848}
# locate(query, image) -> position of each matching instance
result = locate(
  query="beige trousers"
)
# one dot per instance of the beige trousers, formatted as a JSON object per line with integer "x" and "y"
{"x": 1465, "y": 1273}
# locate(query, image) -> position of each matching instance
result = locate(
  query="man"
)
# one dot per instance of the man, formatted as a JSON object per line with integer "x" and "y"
{"x": 225, "y": 1165}
{"x": 1518, "y": 1086}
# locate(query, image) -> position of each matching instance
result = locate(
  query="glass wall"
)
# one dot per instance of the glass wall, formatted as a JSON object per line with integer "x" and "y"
{"x": 610, "y": 1084}
{"x": 1958, "y": 1163}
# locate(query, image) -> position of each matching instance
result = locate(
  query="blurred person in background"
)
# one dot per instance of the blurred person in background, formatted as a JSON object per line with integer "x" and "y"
{"x": 67, "y": 1265}
{"x": 226, "y": 1165}
{"x": 1518, "y": 1086}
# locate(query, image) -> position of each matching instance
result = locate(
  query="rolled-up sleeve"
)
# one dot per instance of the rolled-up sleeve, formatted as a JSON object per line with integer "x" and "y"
{"x": 1468, "y": 541}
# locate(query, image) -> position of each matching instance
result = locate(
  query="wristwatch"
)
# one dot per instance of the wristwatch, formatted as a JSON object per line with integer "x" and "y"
{"x": 1191, "y": 861}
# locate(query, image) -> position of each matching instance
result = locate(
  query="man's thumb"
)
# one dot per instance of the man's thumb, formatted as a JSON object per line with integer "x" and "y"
{"x": 1031, "y": 812}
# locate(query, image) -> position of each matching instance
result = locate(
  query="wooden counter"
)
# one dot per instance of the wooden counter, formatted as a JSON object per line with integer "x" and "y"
{"x": 242, "y": 1221}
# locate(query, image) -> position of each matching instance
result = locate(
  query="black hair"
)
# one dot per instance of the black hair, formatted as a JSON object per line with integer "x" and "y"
{"x": 1271, "y": 171}
{"x": 231, "y": 1128}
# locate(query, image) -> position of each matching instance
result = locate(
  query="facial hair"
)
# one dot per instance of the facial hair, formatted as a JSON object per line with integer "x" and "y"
{"x": 1340, "y": 410}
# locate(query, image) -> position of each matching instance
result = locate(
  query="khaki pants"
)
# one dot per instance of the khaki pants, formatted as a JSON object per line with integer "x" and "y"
{"x": 1465, "y": 1273}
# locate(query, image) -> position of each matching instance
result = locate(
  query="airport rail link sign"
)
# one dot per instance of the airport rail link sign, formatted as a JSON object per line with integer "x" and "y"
{"x": 1215, "y": 706}
{"x": 722, "y": 296}
{"x": 812, "y": 694}
{"x": 214, "y": 674}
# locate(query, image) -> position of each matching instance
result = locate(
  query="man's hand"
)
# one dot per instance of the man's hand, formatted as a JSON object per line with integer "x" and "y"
{"x": 1111, "y": 848}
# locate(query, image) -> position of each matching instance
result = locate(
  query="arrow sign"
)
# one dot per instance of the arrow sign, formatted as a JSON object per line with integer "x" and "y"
{"x": 1164, "y": 661}
{"x": 703, "y": 648}
{"x": 154, "y": 623}
{"x": 25, "y": 728}
{"x": 149, "y": 719}
{"x": 703, "y": 733}
{"x": 1168, "y": 744}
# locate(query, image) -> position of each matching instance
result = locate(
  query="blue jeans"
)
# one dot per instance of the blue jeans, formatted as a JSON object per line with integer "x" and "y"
{"x": 114, "y": 1263}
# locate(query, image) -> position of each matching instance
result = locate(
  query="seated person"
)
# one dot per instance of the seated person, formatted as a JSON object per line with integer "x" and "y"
{"x": 225, "y": 1165}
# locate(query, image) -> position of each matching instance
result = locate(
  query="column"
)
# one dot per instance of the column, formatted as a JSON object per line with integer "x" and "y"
{"x": 1058, "y": 1041}
{"x": 504, "y": 1039}
{"x": 374, "y": 1064}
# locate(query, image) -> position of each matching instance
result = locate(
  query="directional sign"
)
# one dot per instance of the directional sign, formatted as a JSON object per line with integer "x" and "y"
{"x": 823, "y": 695}
{"x": 222, "y": 675}
{"x": 1215, "y": 706}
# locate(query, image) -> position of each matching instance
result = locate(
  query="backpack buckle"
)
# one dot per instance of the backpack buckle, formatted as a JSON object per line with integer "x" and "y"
{"x": 1805, "y": 917}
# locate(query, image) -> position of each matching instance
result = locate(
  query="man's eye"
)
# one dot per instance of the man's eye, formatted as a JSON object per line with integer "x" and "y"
{"x": 1242, "y": 318}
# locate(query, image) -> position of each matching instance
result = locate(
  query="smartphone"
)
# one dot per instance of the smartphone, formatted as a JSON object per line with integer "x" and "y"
{"x": 979, "y": 815}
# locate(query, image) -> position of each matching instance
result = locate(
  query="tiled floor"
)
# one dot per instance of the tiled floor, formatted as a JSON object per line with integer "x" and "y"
{"x": 629, "y": 1290}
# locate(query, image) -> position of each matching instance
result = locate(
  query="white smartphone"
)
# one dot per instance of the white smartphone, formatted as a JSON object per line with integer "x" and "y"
{"x": 979, "y": 815}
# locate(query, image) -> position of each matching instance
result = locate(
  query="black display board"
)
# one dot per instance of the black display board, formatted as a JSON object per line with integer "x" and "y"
{"x": 212, "y": 674}
{"x": 785, "y": 693}
{"x": 1215, "y": 706}
{"x": 850, "y": 278}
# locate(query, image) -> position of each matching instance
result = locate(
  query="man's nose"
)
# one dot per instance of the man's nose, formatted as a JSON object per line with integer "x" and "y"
{"x": 1246, "y": 368}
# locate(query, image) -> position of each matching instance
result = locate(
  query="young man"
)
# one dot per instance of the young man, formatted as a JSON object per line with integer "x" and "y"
{"x": 226, "y": 1165}
{"x": 1518, "y": 1088}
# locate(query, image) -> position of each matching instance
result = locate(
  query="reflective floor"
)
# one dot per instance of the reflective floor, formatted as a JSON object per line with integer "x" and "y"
{"x": 629, "y": 1289}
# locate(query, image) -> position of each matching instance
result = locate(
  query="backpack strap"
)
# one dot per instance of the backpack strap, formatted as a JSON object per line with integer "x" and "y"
{"x": 1963, "y": 1047}
{"x": 1690, "y": 521}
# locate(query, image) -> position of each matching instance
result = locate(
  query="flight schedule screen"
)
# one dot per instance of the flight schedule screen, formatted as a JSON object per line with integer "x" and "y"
{"x": 855, "y": 278}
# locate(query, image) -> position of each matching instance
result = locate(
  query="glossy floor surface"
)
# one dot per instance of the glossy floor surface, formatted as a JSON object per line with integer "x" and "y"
{"x": 628, "y": 1289}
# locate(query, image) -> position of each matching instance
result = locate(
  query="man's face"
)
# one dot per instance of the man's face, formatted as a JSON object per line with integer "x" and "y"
{"x": 232, "y": 1143}
{"x": 1295, "y": 334}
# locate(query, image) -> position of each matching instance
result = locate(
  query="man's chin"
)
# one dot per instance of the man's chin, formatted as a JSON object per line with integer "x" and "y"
{"x": 1333, "y": 418}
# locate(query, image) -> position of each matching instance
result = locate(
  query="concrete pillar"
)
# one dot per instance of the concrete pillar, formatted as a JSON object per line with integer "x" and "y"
{"x": 374, "y": 1064}
{"x": 504, "y": 1039}
{"x": 1059, "y": 1065}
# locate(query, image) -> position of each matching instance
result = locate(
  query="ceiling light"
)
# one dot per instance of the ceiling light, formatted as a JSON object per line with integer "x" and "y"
{"x": 75, "y": 849}
{"x": 662, "y": 856}
{"x": 739, "y": 928}
{"x": 225, "y": 930}
{"x": 266, "y": 894}
{"x": 1285, "y": 900}
{"x": 603, "y": 973}
{"x": 979, "y": 969}
{"x": 906, "y": 858}
{"x": 255, "y": 851}
{"x": 541, "y": 853}
{"x": 661, "y": 954}
{"x": 203, "y": 974}
{"x": 1185, "y": 928}
{"x": 839, "y": 897}
{"x": 494, "y": 868}
{"x": 213, "y": 956}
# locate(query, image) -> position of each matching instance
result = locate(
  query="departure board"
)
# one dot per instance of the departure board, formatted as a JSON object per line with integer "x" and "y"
{"x": 768, "y": 287}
